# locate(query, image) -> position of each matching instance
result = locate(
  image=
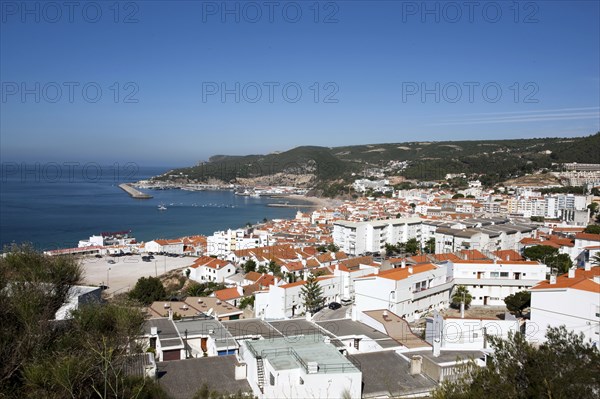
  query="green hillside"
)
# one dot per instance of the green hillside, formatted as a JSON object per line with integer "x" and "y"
{"x": 496, "y": 160}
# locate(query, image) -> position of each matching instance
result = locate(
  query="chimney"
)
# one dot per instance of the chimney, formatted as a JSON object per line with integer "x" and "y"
{"x": 416, "y": 363}
{"x": 552, "y": 279}
{"x": 587, "y": 266}
{"x": 153, "y": 330}
{"x": 410, "y": 270}
{"x": 240, "y": 290}
{"x": 436, "y": 347}
{"x": 572, "y": 272}
{"x": 403, "y": 264}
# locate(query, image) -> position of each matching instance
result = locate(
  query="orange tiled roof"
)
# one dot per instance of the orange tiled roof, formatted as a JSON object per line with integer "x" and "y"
{"x": 228, "y": 294}
{"x": 587, "y": 236}
{"x": 583, "y": 280}
{"x": 508, "y": 254}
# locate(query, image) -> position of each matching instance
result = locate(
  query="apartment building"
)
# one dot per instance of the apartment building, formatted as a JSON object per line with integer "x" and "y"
{"x": 490, "y": 281}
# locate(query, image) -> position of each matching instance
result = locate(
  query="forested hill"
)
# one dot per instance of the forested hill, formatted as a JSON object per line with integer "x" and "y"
{"x": 497, "y": 160}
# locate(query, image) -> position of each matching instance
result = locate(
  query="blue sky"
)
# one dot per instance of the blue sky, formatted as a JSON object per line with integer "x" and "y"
{"x": 368, "y": 72}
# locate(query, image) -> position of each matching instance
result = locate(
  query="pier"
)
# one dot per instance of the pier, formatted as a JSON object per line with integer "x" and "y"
{"x": 133, "y": 192}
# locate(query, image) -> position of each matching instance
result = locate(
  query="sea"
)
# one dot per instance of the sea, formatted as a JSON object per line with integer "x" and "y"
{"x": 54, "y": 206}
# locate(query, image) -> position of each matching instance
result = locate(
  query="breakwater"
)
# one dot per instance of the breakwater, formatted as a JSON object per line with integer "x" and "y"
{"x": 133, "y": 192}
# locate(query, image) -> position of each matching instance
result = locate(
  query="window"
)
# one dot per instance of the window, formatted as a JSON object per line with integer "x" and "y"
{"x": 495, "y": 274}
{"x": 503, "y": 274}
{"x": 271, "y": 379}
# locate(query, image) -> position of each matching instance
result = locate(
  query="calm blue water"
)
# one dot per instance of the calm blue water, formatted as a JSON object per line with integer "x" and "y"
{"x": 55, "y": 207}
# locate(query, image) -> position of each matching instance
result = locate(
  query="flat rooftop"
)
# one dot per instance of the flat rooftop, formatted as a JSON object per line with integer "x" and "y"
{"x": 348, "y": 328}
{"x": 249, "y": 328}
{"x": 207, "y": 327}
{"x": 447, "y": 356}
{"x": 182, "y": 378}
{"x": 387, "y": 374}
{"x": 292, "y": 352}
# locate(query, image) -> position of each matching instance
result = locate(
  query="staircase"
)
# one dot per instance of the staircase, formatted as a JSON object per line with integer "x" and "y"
{"x": 261, "y": 373}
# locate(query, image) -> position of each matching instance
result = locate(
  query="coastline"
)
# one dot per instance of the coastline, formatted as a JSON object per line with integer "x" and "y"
{"x": 315, "y": 201}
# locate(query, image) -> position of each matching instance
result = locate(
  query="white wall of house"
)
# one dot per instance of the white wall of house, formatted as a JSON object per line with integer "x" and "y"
{"x": 468, "y": 333}
{"x": 490, "y": 283}
{"x": 204, "y": 274}
{"x": 576, "y": 309}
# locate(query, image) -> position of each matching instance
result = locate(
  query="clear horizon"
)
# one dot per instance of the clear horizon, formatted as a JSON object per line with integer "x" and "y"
{"x": 169, "y": 84}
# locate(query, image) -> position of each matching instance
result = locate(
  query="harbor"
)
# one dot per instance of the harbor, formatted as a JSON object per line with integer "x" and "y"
{"x": 133, "y": 192}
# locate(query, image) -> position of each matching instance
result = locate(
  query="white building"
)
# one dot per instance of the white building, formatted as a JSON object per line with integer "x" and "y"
{"x": 572, "y": 300}
{"x": 363, "y": 185}
{"x": 408, "y": 292}
{"x": 285, "y": 301}
{"x": 299, "y": 367}
{"x": 207, "y": 269}
{"x": 489, "y": 282}
{"x": 467, "y": 333}
{"x": 356, "y": 238}
{"x": 174, "y": 246}
{"x": 222, "y": 243}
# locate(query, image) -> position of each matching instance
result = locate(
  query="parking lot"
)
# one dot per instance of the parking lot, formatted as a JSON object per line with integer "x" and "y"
{"x": 126, "y": 270}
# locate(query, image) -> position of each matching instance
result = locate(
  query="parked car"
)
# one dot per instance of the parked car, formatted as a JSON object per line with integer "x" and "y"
{"x": 346, "y": 302}
{"x": 112, "y": 262}
{"x": 98, "y": 256}
{"x": 334, "y": 306}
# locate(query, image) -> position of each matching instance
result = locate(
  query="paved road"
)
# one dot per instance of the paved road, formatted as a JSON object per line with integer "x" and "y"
{"x": 328, "y": 314}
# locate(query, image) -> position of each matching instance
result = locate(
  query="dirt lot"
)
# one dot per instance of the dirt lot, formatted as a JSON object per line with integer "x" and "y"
{"x": 123, "y": 274}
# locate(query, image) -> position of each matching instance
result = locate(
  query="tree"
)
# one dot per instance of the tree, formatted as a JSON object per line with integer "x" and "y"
{"x": 390, "y": 249}
{"x": 312, "y": 294}
{"x": 274, "y": 268}
{"x": 412, "y": 246}
{"x": 246, "y": 301}
{"x": 561, "y": 262}
{"x": 430, "y": 246}
{"x": 565, "y": 366}
{"x": 333, "y": 248}
{"x": 83, "y": 356}
{"x": 592, "y": 229}
{"x": 148, "y": 290}
{"x": 322, "y": 248}
{"x": 249, "y": 266}
{"x": 540, "y": 252}
{"x": 203, "y": 289}
{"x": 461, "y": 294}
{"x": 456, "y": 196}
{"x": 596, "y": 259}
{"x": 517, "y": 302}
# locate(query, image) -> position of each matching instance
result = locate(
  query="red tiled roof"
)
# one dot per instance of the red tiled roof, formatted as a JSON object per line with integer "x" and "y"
{"x": 583, "y": 280}
{"x": 587, "y": 236}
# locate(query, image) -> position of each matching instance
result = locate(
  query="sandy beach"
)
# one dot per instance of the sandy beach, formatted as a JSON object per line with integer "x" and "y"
{"x": 317, "y": 201}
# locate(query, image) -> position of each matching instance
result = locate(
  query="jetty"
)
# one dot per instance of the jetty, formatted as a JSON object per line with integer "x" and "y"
{"x": 133, "y": 192}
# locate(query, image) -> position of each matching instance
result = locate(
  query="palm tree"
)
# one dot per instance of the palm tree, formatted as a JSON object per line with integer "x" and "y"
{"x": 596, "y": 259}
{"x": 461, "y": 294}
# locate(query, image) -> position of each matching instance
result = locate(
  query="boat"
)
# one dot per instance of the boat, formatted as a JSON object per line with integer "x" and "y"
{"x": 161, "y": 207}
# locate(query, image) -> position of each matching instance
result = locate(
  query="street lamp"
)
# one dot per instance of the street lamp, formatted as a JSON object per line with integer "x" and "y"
{"x": 107, "y": 277}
